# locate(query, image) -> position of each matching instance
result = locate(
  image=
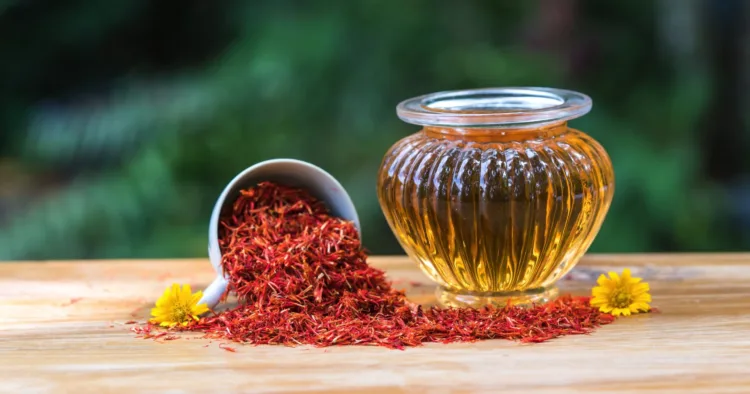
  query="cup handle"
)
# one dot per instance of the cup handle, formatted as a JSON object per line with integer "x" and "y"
{"x": 214, "y": 291}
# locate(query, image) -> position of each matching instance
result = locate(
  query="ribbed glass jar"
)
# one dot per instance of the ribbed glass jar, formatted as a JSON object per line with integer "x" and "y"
{"x": 496, "y": 197}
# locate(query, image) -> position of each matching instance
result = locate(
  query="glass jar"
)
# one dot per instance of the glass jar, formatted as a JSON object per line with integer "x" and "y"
{"x": 496, "y": 198}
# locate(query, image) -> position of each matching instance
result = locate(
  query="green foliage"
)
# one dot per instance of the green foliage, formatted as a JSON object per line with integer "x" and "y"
{"x": 319, "y": 82}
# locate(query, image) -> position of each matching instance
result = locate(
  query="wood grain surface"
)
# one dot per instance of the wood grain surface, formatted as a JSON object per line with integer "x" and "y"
{"x": 62, "y": 329}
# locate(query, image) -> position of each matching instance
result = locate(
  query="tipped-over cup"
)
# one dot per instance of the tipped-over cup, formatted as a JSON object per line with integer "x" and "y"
{"x": 288, "y": 172}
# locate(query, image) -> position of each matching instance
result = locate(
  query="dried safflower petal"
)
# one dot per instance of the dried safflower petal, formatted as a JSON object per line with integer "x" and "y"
{"x": 302, "y": 278}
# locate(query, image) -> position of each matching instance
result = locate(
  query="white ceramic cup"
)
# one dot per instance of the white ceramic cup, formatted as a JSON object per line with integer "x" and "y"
{"x": 288, "y": 172}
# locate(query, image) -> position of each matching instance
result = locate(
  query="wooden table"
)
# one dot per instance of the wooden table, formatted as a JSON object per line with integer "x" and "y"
{"x": 62, "y": 330}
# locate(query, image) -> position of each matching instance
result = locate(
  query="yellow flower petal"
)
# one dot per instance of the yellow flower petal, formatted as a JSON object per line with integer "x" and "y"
{"x": 603, "y": 295}
{"x": 606, "y": 309}
{"x": 638, "y": 307}
{"x": 600, "y": 292}
{"x": 645, "y": 298}
{"x": 635, "y": 281}
{"x": 187, "y": 292}
{"x": 196, "y": 297}
{"x": 640, "y": 292}
{"x": 164, "y": 299}
{"x": 614, "y": 277}
{"x": 200, "y": 309}
{"x": 599, "y": 301}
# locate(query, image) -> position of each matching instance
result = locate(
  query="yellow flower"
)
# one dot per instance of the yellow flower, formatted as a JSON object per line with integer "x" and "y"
{"x": 621, "y": 295}
{"x": 178, "y": 306}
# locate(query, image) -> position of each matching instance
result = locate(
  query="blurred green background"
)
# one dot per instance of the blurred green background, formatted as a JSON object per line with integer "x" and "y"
{"x": 122, "y": 121}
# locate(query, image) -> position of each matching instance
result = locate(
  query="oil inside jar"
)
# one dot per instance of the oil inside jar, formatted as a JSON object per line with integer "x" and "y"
{"x": 490, "y": 215}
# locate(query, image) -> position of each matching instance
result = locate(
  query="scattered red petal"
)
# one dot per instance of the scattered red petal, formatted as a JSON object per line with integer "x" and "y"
{"x": 301, "y": 277}
{"x": 73, "y": 301}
